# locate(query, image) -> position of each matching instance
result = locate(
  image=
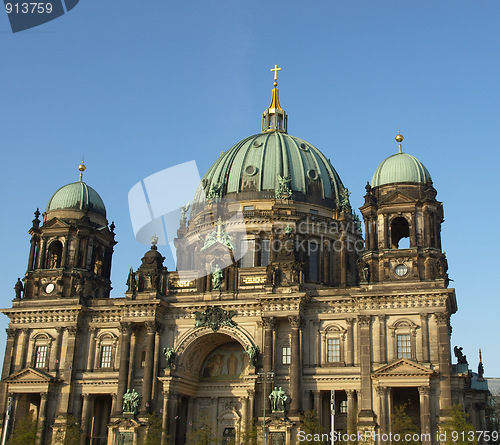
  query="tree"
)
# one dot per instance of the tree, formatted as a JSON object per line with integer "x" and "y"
{"x": 202, "y": 433}
{"x": 403, "y": 426}
{"x": 73, "y": 431}
{"x": 310, "y": 427}
{"x": 251, "y": 434}
{"x": 24, "y": 432}
{"x": 456, "y": 429}
{"x": 153, "y": 435}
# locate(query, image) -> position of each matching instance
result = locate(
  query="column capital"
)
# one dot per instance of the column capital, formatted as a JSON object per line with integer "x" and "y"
{"x": 442, "y": 318}
{"x": 381, "y": 390}
{"x": 93, "y": 330}
{"x": 11, "y": 333}
{"x": 26, "y": 330}
{"x": 44, "y": 395}
{"x": 114, "y": 396}
{"x": 269, "y": 322}
{"x": 296, "y": 321}
{"x": 364, "y": 321}
{"x": 251, "y": 393}
{"x": 125, "y": 327}
{"x": 381, "y": 317}
{"x": 350, "y": 393}
{"x": 59, "y": 329}
{"x": 72, "y": 330}
{"x": 424, "y": 390}
{"x": 151, "y": 326}
{"x": 350, "y": 321}
{"x": 86, "y": 397}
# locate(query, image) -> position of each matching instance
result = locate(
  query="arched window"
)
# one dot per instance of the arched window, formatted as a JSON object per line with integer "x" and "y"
{"x": 55, "y": 255}
{"x": 42, "y": 343}
{"x": 333, "y": 338}
{"x": 404, "y": 333}
{"x": 399, "y": 229}
{"x": 106, "y": 349}
{"x": 313, "y": 253}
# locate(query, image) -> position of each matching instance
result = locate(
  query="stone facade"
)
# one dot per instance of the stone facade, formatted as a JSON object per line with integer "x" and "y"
{"x": 270, "y": 292}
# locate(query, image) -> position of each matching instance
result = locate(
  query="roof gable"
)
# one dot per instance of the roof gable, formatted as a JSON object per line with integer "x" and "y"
{"x": 402, "y": 367}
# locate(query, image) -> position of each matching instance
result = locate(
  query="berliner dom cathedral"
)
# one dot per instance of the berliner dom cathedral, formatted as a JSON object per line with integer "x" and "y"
{"x": 284, "y": 301}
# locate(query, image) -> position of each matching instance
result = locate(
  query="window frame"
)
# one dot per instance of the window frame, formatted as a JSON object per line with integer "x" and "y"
{"x": 333, "y": 332}
{"x": 407, "y": 328}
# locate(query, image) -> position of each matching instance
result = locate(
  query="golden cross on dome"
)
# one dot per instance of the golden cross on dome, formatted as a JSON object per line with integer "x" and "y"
{"x": 275, "y": 69}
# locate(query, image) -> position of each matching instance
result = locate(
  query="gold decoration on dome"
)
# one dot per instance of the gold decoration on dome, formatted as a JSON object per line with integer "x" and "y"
{"x": 82, "y": 168}
{"x": 399, "y": 138}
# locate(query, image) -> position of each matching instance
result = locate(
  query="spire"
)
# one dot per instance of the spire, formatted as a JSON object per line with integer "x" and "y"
{"x": 399, "y": 138}
{"x": 480, "y": 367}
{"x": 274, "y": 118}
{"x": 82, "y": 168}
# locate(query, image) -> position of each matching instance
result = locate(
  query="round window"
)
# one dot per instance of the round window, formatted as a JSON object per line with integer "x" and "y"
{"x": 251, "y": 170}
{"x": 311, "y": 174}
{"x": 401, "y": 270}
{"x": 257, "y": 143}
{"x": 303, "y": 146}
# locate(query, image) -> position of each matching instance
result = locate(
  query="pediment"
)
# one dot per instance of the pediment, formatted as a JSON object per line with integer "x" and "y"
{"x": 402, "y": 367}
{"x": 29, "y": 375}
{"x": 398, "y": 198}
{"x": 56, "y": 223}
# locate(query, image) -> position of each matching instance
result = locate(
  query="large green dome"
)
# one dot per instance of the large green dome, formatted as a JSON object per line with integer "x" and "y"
{"x": 252, "y": 167}
{"x": 400, "y": 168}
{"x": 77, "y": 196}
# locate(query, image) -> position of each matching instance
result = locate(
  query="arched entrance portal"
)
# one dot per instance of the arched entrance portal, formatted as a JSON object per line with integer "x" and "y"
{"x": 214, "y": 383}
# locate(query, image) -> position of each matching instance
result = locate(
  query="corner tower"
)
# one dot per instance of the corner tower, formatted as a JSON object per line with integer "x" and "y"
{"x": 70, "y": 254}
{"x": 402, "y": 223}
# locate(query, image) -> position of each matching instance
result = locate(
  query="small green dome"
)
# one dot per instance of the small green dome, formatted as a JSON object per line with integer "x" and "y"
{"x": 77, "y": 196}
{"x": 400, "y": 168}
{"x": 252, "y": 169}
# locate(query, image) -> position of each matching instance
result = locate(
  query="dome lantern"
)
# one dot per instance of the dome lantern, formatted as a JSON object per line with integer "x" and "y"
{"x": 275, "y": 118}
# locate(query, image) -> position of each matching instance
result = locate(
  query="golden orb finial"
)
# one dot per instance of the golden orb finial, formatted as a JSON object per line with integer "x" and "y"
{"x": 399, "y": 138}
{"x": 82, "y": 168}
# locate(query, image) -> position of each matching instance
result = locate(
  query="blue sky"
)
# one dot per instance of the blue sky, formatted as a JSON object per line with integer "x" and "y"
{"x": 139, "y": 86}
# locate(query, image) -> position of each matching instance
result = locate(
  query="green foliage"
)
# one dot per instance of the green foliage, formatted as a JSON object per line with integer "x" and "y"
{"x": 402, "y": 424}
{"x": 24, "y": 432}
{"x": 251, "y": 434}
{"x": 456, "y": 429}
{"x": 202, "y": 433}
{"x": 309, "y": 424}
{"x": 153, "y": 435}
{"x": 73, "y": 431}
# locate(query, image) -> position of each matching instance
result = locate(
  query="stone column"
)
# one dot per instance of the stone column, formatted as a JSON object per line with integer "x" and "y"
{"x": 425, "y": 338}
{"x": 125, "y": 330}
{"x": 113, "y": 403}
{"x": 244, "y": 413}
{"x": 351, "y": 411}
{"x": 68, "y": 371}
{"x": 190, "y": 416}
{"x": 32, "y": 253}
{"x": 91, "y": 357}
{"x": 343, "y": 260}
{"x": 366, "y": 419}
{"x": 318, "y": 406}
{"x": 148, "y": 368}
{"x": 9, "y": 349}
{"x": 156, "y": 361}
{"x": 296, "y": 365}
{"x": 382, "y": 399}
{"x": 64, "y": 252}
{"x": 85, "y": 418}
{"x": 173, "y": 413}
{"x": 382, "y": 338}
{"x": 269, "y": 324}
{"x": 42, "y": 416}
{"x": 57, "y": 349}
{"x": 251, "y": 402}
{"x": 41, "y": 255}
{"x": 442, "y": 320}
{"x": 133, "y": 343}
{"x": 21, "y": 362}
{"x": 425, "y": 413}
{"x": 349, "y": 357}
{"x": 164, "y": 422}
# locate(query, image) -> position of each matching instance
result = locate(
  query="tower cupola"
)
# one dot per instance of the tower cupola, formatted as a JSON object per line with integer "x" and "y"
{"x": 274, "y": 118}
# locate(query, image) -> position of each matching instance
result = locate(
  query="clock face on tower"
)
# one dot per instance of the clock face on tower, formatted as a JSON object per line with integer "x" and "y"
{"x": 401, "y": 270}
{"x": 49, "y": 288}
